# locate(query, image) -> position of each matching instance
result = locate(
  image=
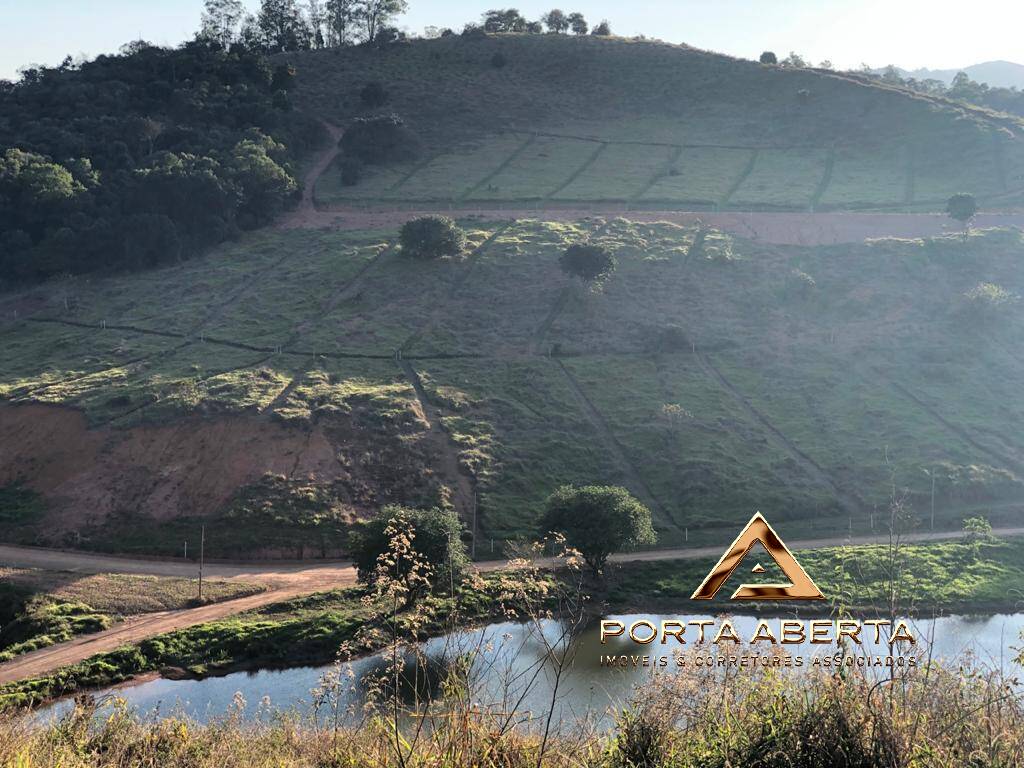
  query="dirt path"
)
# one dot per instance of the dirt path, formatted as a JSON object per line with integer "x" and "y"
{"x": 287, "y": 581}
{"x": 306, "y": 214}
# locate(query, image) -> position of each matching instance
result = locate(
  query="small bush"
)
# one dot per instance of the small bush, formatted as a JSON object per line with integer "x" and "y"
{"x": 431, "y": 237}
{"x": 351, "y": 171}
{"x": 590, "y": 263}
{"x": 768, "y": 57}
{"x": 379, "y": 140}
{"x": 373, "y": 94}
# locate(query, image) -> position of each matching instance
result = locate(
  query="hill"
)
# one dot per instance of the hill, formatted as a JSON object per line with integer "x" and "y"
{"x": 287, "y": 384}
{"x": 995, "y": 74}
{"x": 557, "y": 121}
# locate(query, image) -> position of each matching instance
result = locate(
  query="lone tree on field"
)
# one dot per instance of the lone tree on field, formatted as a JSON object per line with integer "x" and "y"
{"x": 556, "y": 21}
{"x": 768, "y": 57}
{"x": 578, "y": 23}
{"x": 962, "y": 207}
{"x": 590, "y": 263}
{"x": 431, "y": 237}
{"x": 415, "y": 549}
{"x": 598, "y": 521}
{"x": 379, "y": 140}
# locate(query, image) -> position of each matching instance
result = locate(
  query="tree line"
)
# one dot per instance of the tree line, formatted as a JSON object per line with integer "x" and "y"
{"x": 144, "y": 157}
{"x": 288, "y": 25}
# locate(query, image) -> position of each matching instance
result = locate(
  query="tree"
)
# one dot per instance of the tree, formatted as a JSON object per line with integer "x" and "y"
{"x": 282, "y": 26}
{"x": 265, "y": 185}
{"x": 578, "y": 23}
{"x": 962, "y": 207}
{"x": 430, "y": 549}
{"x": 376, "y": 14}
{"x": 220, "y": 21}
{"x": 556, "y": 21}
{"x": 794, "y": 61}
{"x": 316, "y": 16}
{"x": 504, "y": 20}
{"x": 343, "y": 18}
{"x": 431, "y": 237}
{"x": 603, "y": 29}
{"x": 590, "y": 263}
{"x": 598, "y": 521}
{"x": 768, "y": 57}
{"x": 378, "y": 140}
{"x": 976, "y": 531}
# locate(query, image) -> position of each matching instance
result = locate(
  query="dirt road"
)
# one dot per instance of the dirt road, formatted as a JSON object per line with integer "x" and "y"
{"x": 286, "y": 581}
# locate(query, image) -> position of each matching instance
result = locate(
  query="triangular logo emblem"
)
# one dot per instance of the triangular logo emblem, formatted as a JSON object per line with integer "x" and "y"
{"x": 758, "y": 530}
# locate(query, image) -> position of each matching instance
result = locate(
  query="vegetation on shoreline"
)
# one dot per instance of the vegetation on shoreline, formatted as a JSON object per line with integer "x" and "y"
{"x": 313, "y": 629}
{"x": 941, "y": 577}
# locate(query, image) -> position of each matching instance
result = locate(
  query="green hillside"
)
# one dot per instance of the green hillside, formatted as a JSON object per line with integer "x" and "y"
{"x": 285, "y": 384}
{"x": 581, "y": 121}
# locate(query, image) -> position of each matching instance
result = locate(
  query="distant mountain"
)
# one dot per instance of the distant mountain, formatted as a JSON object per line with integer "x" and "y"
{"x": 998, "y": 74}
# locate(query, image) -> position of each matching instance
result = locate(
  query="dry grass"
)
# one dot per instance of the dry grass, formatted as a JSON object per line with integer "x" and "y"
{"x": 934, "y": 717}
{"x": 123, "y": 594}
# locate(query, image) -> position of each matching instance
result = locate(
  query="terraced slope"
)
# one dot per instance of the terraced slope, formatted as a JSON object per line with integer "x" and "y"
{"x": 641, "y": 124}
{"x": 294, "y": 381}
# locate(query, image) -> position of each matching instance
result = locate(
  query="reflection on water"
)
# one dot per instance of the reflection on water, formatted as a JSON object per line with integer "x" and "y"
{"x": 512, "y": 670}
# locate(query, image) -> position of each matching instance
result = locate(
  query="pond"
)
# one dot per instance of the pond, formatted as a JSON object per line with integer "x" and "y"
{"x": 512, "y": 669}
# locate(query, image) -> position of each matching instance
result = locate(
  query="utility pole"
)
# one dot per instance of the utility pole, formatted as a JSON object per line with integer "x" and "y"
{"x": 186, "y": 550}
{"x": 202, "y": 553}
{"x": 933, "y": 499}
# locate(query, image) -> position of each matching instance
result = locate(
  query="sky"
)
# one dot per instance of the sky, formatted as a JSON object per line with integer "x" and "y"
{"x": 938, "y": 34}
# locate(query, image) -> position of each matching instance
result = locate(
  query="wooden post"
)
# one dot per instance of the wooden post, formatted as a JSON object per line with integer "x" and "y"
{"x": 202, "y": 554}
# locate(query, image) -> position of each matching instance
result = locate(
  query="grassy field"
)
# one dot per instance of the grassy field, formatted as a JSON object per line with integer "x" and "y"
{"x": 586, "y": 120}
{"x": 39, "y": 608}
{"x": 711, "y": 375}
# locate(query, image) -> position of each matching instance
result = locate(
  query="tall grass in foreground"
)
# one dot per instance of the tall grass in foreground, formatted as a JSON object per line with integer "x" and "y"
{"x": 935, "y": 717}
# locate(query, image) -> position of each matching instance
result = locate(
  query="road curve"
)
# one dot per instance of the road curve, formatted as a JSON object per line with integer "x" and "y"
{"x": 285, "y": 581}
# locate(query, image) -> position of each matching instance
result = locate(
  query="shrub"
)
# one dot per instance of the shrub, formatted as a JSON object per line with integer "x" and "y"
{"x": 498, "y": 60}
{"x": 962, "y": 207}
{"x": 410, "y": 546}
{"x": 598, "y": 521}
{"x": 603, "y": 29}
{"x": 590, "y": 263}
{"x": 768, "y": 57}
{"x": 431, "y": 237}
{"x": 373, "y": 94}
{"x": 351, "y": 171}
{"x": 379, "y": 140}
{"x": 673, "y": 338}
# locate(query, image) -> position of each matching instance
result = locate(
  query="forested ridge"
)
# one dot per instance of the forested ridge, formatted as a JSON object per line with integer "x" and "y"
{"x": 144, "y": 157}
